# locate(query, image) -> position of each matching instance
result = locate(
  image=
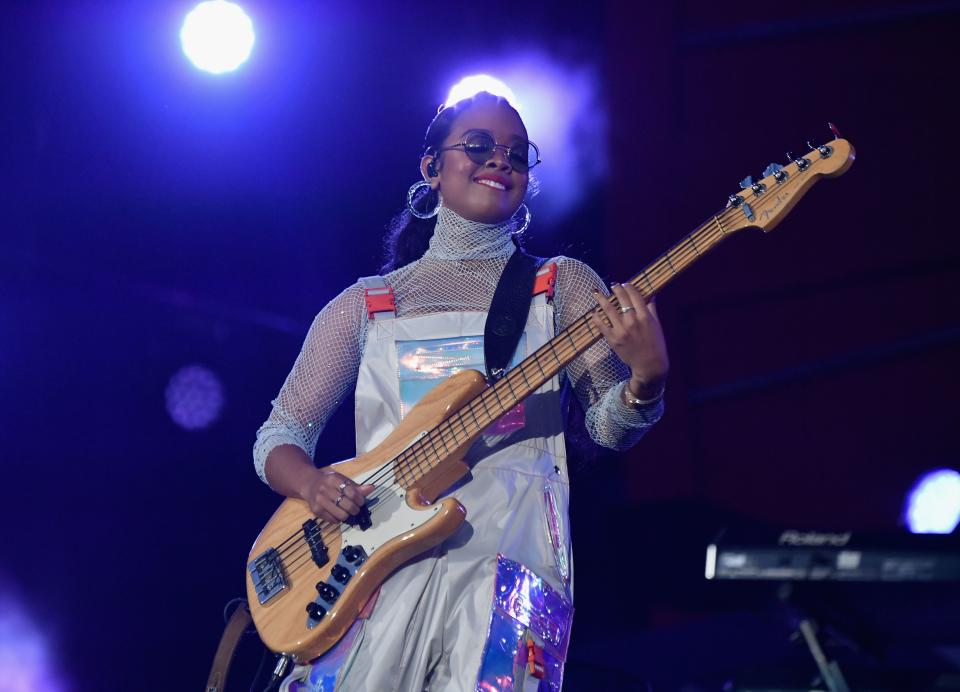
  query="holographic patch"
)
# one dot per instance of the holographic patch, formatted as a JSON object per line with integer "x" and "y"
{"x": 424, "y": 363}
{"x": 555, "y": 533}
{"x": 524, "y": 606}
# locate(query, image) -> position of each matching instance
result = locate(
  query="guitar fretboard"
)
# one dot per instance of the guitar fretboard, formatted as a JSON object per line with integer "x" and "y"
{"x": 529, "y": 375}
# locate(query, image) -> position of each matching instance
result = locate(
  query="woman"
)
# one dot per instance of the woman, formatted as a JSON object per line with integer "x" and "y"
{"x": 438, "y": 623}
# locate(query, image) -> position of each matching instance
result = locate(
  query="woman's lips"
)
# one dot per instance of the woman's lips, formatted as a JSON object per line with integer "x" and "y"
{"x": 492, "y": 182}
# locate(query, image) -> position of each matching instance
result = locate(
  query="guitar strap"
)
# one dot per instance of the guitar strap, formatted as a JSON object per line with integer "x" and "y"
{"x": 217, "y": 680}
{"x": 508, "y": 312}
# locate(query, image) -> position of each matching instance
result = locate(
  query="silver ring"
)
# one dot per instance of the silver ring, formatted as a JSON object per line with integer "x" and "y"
{"x": 627, "y": 309}
{"x": 339, "y": 499}
{"x": 341, "y": 487}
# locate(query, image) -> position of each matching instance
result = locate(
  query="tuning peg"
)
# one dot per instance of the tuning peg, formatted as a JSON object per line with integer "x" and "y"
{"x": 790, "y": 158}
{"x": 810, "y": 145}
{"x": 834, "y": 130}
{"x": 776, "y": 170}
{"x": 746, "y": 182}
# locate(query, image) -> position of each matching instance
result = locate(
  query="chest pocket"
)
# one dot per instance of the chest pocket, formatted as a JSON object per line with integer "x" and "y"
{"x": 422, "y": 364}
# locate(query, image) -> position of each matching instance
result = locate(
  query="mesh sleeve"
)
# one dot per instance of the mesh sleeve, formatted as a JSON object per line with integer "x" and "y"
{"x": 598, "y": 375}
{"x": 323, "y": 374}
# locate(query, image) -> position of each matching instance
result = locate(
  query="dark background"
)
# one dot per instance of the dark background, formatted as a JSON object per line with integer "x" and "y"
{"x": 154, "y": 216}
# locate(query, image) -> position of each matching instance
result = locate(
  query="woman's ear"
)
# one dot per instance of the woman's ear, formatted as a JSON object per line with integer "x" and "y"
{"x": 428, "y": 169}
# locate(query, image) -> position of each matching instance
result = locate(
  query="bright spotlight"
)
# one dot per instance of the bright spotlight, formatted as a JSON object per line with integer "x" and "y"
{"x": 933, "y": 506}
{"x": 564, "y": 111}
{"x": 217, "y": 36}
{"x": 194, "y": 397}
{"x": 468, "y": 86}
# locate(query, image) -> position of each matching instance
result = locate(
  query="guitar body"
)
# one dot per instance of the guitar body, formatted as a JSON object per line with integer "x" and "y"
{"x": 405, "y": 524}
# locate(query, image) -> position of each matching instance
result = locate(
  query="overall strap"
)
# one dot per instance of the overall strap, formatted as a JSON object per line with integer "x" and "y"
{"x": 379, "y": 298}
{"x": 508, "y": 312}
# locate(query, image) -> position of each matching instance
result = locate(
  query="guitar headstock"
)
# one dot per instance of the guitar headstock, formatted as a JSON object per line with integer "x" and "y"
{"x": 762, "y": 204}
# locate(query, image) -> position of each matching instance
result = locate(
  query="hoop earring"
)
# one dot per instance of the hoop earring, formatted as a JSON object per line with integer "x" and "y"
{"x": 411, "y": 198}
{"x": 526, "y": 218}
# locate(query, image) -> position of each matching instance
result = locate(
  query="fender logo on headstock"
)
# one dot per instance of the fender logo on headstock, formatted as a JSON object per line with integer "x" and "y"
{"x": 780, "y": 199}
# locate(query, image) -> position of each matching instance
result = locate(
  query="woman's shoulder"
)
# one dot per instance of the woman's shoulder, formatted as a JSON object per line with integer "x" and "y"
{"x": 573, "y": 271}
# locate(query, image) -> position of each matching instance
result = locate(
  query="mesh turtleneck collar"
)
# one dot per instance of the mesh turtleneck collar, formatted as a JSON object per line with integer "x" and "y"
{"x": 457, "y": 238}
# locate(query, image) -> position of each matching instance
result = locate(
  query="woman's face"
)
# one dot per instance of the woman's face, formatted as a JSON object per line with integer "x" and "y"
{"x": 487, "y": 192}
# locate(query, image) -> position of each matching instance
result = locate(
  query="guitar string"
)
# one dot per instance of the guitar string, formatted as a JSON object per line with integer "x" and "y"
{"x": 660, "y": 268}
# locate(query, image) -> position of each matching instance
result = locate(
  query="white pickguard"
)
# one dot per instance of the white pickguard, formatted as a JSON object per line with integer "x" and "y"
{"x": 391, "y": 514}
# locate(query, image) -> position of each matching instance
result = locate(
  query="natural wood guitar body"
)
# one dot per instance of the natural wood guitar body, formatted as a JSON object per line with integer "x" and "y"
{"x": 281, "y": 621}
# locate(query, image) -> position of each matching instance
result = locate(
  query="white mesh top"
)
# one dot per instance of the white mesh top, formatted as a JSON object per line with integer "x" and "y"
{"x": 458, "y": 273}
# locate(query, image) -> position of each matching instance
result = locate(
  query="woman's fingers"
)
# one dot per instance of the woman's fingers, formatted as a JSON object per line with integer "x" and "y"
{"x": 336, "y": 498}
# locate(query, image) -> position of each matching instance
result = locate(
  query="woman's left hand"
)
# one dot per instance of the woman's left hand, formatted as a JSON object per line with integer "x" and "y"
{"x": 634, "y": 333}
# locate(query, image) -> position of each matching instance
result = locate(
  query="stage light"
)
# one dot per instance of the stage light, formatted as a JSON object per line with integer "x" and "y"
{"x": 933, "y": 505}
{"x": 562, "y": 106}
{"x": 217, "y": 36}
{"x": 194, "y": 397}
{"x": 468, "y": 86}
{"x": 26, "y": 663}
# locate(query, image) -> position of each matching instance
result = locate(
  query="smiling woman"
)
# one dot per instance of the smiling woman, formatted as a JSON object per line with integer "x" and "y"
{"x": 464, "y": 523}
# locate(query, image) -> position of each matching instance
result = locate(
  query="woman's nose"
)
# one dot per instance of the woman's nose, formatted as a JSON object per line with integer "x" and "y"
{"x": 499, "y": 159}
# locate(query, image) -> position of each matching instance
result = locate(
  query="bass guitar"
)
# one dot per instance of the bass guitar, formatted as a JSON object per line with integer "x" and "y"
{"x": 308, "y": 580}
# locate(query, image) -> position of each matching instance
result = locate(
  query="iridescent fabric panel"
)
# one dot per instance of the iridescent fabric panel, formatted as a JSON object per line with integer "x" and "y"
{"x": 524, "y": 608}
{"x": 422, "y": 364}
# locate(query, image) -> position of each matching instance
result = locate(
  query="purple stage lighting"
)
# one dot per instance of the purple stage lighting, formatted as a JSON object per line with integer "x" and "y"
{"x": 933, "y": 506}
{"x": 194, "y": 397}
{"x": 25, "y": 660}
{"x": 217, "y": 36}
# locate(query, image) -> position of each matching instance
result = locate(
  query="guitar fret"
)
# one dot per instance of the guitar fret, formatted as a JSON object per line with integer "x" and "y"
{"x": 666, "y": 256}
{"x": 649, "y": 282}
{"x": 553, "y": 351}
{"x": 523, "y": 374}
{"x": 693, "y": 244}
{"x": 719, "y": 225}
{"x": 543, "y": 373}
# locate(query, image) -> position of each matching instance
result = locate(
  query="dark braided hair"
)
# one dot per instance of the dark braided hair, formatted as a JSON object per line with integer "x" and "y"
{"x": 407, "y": 236}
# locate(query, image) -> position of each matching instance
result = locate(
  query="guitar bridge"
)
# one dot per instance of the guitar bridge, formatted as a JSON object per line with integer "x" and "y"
{"x": 266, "y": 571}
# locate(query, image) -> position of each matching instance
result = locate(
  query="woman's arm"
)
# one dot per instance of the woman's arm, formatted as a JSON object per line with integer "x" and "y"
{"x": 322, "y": 376}
{"x": 599, "y": 377}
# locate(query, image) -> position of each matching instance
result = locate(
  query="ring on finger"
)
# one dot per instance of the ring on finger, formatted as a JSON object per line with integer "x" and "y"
{"x": 341, "y": 487}
{"x": 624, "y": 310}
{"x": 339, "y": 499}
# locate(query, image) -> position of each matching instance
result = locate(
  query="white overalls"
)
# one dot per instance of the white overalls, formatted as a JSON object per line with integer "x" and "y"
{"x": 463, "y": 615}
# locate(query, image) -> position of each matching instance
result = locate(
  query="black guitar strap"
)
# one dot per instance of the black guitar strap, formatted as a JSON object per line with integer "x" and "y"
{"x": 508, "y": 312}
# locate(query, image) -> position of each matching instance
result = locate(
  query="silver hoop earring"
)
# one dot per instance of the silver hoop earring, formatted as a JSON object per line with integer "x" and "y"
{"x": 412, "y": 197}
{"x": 526, "y": 218}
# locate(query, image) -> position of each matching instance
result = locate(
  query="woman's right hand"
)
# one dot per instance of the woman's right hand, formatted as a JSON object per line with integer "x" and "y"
{"x": 333, "y": 497}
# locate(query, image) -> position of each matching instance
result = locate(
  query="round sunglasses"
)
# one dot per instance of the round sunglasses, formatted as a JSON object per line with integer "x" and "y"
{"x": 479, "y": 147}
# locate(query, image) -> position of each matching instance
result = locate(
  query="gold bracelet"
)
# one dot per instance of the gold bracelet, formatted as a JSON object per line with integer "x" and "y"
{"x": 636, "y": 402}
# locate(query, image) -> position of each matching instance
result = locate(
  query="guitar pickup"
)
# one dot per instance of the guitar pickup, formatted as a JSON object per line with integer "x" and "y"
{"x": 361, "y": 519}
{"x": 313, "y": 535}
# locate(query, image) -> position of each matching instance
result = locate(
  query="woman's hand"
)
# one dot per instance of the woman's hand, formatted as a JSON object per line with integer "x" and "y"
{"x": 333, "y": 497}
{"x": 635, "y": 335}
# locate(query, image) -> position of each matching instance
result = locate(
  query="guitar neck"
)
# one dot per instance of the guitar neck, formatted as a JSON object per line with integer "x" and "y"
{"x": 520, "y": 382}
